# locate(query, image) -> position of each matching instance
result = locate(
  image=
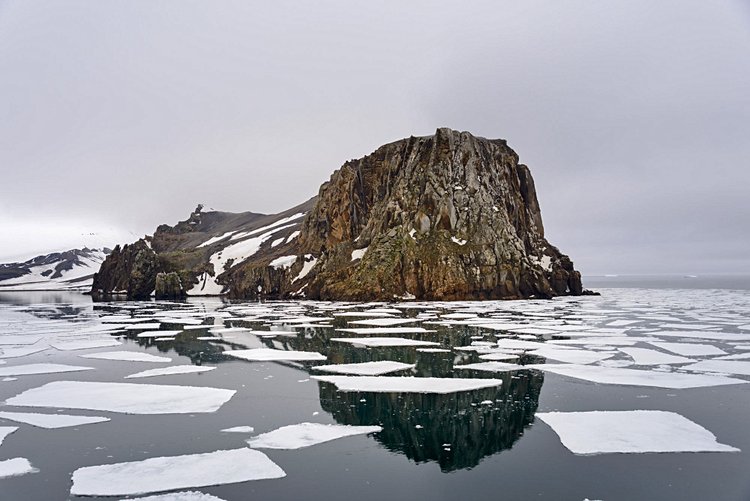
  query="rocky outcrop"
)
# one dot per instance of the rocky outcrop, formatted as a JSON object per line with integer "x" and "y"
{"x": 129, "y": 270}
{"x": 169, "y": 286}
{"x": 447, "y": 217}
{"x": 443, "y": 217}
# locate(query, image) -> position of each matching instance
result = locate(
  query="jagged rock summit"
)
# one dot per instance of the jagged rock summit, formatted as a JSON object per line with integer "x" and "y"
{"x": 444, "y": 217}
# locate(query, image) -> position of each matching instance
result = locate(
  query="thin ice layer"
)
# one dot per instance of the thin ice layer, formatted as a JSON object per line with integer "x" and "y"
{"x": 644, "y": 356}
{"x": 168, "y": 371}
{"x": 386, "y": 384}
{"x": 366, "y": 368}
{"x": 383, "y": 341}
{"x": 29, "y": 369}
{"x": 5, "y": 431}
{"x": 690, "y": 349}
{"x": 633, "y": 377}
{"x": 174, "y": 472}
{"x": 128, "y": 356}
{"x": 50, "y": 421}
{"x": 178, "y": 496}
{"x": 724, "y": 366}
{"x": 270, "y": 355}
{"x": 604, "y": 432}
{"x": 127, "y": 398}
{"x": 301, "y": 435}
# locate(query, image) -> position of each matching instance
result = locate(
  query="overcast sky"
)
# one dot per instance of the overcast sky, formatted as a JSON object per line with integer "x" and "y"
{"x": 634, "y": 116}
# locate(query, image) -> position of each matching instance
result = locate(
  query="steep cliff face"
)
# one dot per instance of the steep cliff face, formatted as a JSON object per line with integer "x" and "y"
{"x": 443, "y": 217}
{"x": 449, "y": 216}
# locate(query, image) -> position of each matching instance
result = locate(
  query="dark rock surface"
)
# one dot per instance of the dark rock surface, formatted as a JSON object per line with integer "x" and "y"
{"x": 444, "y": 217}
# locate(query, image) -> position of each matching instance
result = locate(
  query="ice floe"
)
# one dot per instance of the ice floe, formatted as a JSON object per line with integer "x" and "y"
{"x": 178, "y": 496}
{"x": 127, "y": 398}
{"x": 366, "y": 368}
{"x": 128, "y": 356}
{"x": 639, "y": 431}
{"x": 5, "y": 431}
{"x": 723, "y": 366}
{"x": 174, "y": 472}
{"x": 51, "y": 421}
{"x": 386, "y": 384}
{"x": 571, "y": 355}
{"x": 633, "y": 377}
{"x": 16, "y": 467}
{"x": 491, "y": 367}
{"x": 644, "y": 356}
{"x": 690, "y": 349}
{"x": 84, "y": 344}
{"x": 169, "y": 371}
{"x": 374, "y": 342}
{"x": 301, "y": 435}
{"x": 239, "y": 429}
{"x": 386, "y": 330}
{"x": 270, "y": 355}
{"x": 29, "y": 369}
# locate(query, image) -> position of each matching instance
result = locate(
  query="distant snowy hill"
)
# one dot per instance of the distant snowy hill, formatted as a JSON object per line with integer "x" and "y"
{"x": 70, "y": 270}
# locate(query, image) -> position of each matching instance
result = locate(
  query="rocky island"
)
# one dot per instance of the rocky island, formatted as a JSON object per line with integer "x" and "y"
{"x": 444, "y": 217}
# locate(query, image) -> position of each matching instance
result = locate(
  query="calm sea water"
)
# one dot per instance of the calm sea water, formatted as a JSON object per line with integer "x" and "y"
{"x": 436, "y": 447}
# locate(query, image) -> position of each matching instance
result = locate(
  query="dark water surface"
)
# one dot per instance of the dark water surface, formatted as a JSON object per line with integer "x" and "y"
{"x": 436, "y": 447}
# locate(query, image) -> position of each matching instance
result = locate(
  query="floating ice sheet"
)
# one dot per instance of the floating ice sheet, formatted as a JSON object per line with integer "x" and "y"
{"x": 168, "y": 371}
{"x": 20, "y": 351}
{"x": 301, "y": 435}
{"x": 491, "y": 367}
{"x": 366, "y": 368}
{"x": 385, "y": 322}
{"x": 5, "y": 431}
{"x": 383, "y": 341}
{"x": 690, "y": 349}
{"x": 174, "y": 472}
{"x": 270, "y": 355}
{"x": 84, "y": 344}
{"x": 15, "y": 467}
{"x": 178, "y": 496}
{"x": 724, "y": 366}
{"x": 51, "y": 421}
{"x": 128, "y": 356}
{"x": 644, "y": 356}
{"x": 603, "y": 432}
{"x": 239, "y": 429}
{"x": 28, "y": 369}
{"x": 386, "y": 384}
{"x": 127, "y": 398}
{"x": 633, "y": 377}
{"x": 365, "y": 331}
{"x": 720, "y": 336}
{"x": 11, "y": 339}
{"x": 571, "y": 355}
{"x": 161, "y": 333}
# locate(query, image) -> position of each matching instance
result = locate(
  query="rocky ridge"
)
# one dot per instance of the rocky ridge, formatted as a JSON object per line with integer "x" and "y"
{"x": 444, "y": 217}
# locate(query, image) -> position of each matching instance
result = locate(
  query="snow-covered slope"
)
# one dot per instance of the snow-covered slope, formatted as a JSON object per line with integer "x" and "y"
{"x": 70, "y": 270}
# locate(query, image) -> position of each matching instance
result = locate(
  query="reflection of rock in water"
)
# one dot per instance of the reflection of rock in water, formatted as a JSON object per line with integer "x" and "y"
{"x": 456, "y": 430}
